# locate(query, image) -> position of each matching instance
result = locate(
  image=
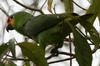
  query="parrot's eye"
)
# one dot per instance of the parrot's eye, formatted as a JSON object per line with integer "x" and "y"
{"x": 11, "y": 17}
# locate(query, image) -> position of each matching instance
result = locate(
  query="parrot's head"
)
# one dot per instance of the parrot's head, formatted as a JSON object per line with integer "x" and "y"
{"x": 10, "y": 21}
{"x": 17, "y": 20}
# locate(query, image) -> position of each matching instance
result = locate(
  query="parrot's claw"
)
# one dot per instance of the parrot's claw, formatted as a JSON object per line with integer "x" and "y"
{"x": 55, "y": 52}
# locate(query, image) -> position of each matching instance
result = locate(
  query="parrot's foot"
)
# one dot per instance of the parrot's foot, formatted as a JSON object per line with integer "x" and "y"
{"x": 55, "y": 52}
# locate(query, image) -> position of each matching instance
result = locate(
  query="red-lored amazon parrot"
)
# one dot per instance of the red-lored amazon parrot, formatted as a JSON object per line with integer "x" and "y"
{"x": 44, "y": 29}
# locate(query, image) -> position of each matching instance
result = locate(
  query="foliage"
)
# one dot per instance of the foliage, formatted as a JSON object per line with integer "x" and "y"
{"x": 32, "y": 53}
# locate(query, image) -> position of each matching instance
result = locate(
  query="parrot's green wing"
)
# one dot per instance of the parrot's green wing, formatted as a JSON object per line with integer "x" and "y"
{"x": 44, "y": 29}
{"x": 51, "y": 28}
{"x": 43, "y": 22}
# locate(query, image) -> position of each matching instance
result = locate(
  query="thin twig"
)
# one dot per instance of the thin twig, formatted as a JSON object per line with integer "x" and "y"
{"x": 54, "y": 9}
{"x": 5, "y": 57}
{"x": 65, "y": 53}
{"x": 43, "y": 4}
{"x": 79, "y": 5}
{"x": 4, "y": 12}
{"x": 70, "y": 48}
{"x": 34, "y": 9}
{"x": 60, "y": 60}
{"x": 21, "y": 59}
{"x": 61, "y": 53}
{"x": 9, "y": 55}
{"x": 49, "y": 57}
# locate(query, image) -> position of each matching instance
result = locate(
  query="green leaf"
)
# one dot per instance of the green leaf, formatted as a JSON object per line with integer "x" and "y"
{"x": 50, "y": 5}
{"x": 92, "y": 31}
{"x": 26, "y": 63}
{"x": 3, "y": 50}
{"x": 12, "y": 47}
{"x": 2, "y": 64}
{"x": 68, "y": 5}
{"x": 34, "y": 53}
{"x": 83, "y": 52}
{"x": 10, "y": 63}
{"x": 95, "y": 9}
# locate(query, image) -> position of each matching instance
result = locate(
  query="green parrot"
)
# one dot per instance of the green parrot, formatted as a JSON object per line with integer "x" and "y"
{"x": 46, "y": 29}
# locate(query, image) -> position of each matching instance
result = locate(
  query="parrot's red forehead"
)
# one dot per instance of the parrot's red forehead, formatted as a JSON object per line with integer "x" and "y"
{"x": 8, "y": 20}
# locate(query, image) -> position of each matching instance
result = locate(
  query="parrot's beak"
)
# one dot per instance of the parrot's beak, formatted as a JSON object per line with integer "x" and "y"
{"x": 9, "y": 27}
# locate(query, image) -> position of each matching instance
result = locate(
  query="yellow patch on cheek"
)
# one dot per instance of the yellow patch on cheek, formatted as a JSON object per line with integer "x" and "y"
{"x": 12, "y": 21}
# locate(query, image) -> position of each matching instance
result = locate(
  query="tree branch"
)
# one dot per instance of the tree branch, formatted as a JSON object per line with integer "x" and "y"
{"x": 61, "y": 60}
{"x": 4, "y": 12}
{"x": 70, "y": 49}
{"x": 43, "y": 4}
{"x": 63, "y": 53}
{"x": 79, "y": 5}
{"x": 21, "y": 59}
{"x": 34, "y": 9}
